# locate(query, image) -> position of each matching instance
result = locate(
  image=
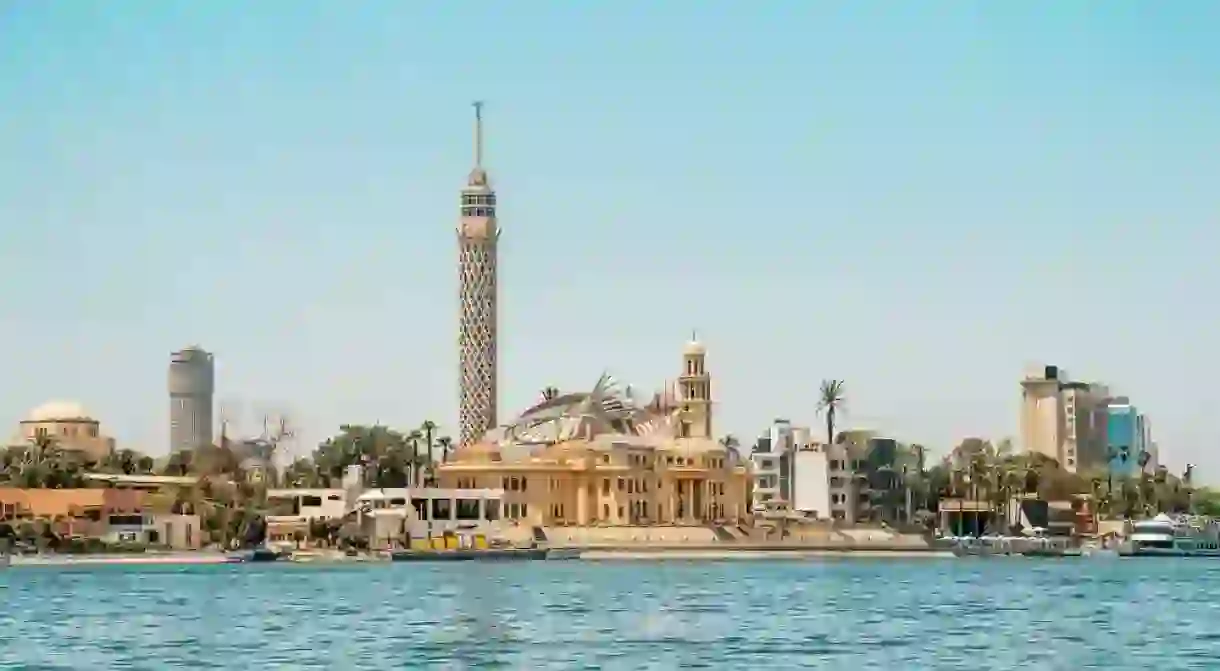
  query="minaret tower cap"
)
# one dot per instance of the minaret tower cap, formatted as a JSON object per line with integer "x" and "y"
{"x": 694, "y": 347}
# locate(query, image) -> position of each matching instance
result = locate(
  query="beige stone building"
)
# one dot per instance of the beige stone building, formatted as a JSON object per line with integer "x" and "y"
{"x": 69, "y": 425}
{"x": 602, "y": 458}
{"x": 1063, "y": 420}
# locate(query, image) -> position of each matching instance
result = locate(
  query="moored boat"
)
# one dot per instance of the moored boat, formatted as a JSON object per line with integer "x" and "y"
{"x": 1164, "y": 536}
{"x": 259, "y": 554}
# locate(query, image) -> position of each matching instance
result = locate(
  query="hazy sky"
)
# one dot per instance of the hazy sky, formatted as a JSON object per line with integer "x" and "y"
{"x": 917, "y": 198}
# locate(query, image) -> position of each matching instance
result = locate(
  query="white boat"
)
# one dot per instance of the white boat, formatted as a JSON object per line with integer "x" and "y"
{"x": 1163, "y": 536}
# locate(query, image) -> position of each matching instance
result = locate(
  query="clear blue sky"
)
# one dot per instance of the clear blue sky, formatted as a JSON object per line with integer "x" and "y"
{"x": 917, "y": 198}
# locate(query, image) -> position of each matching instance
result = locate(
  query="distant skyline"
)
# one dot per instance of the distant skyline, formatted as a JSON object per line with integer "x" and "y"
{"x": 918, "y": 199}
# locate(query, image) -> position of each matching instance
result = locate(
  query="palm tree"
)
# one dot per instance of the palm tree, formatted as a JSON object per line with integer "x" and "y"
{"x": 413, "y": 439}
{"x": 831, "y": 401}
{"x": 1190, "y": 498}
{"x": 428, "y": 427}
{"x": 550, "y": 393}
{"x": 919, "y": 477}
{"x": 446, "y": 445}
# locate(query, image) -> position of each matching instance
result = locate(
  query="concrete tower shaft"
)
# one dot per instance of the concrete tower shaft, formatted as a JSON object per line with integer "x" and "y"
{"x": 192, "y": 383}
{"x": 477, "y": 293}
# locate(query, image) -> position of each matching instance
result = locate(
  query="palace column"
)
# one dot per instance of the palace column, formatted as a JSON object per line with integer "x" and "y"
{"x": 582, "y": 501}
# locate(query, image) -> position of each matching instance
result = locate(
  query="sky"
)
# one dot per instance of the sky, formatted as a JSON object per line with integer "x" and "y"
{"x": 919, "y": 199}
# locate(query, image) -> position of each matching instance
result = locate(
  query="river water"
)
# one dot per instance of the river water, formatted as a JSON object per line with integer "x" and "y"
{"x": 833, "y": 614}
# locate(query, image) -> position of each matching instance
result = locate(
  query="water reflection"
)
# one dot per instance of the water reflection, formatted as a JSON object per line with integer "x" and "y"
{"x": 981, "y": 614}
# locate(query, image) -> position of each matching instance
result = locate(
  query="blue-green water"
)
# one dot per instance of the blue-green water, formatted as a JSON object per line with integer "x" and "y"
{"x": 847, "y": 614}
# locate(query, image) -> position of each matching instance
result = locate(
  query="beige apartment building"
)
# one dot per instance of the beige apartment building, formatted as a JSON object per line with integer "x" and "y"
{"x": 601, "y": 458}
{"x": 1062, "y": 419}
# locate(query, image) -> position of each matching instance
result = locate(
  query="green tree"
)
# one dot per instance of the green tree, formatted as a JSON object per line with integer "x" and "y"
{"x": 383, "y": 452}
{"x": 44, "y": 463}
{"x": 179, "y": 463}
{"x": 832, "y": 400}
{"x": 303, "y": 472}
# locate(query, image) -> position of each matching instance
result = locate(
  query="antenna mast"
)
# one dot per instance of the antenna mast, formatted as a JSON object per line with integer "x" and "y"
{"x": 478, "y": 133}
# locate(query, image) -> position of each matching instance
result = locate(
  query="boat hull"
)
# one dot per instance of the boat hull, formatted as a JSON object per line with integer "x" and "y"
{"x": 1168, "y": 552}
{"x": 248, "y": 556}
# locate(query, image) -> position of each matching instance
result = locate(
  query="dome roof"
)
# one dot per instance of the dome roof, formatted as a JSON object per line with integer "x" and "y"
{"x": 52, "y": 411}
{"x": 694, "y": 347}
{"x": 606, "y": 410}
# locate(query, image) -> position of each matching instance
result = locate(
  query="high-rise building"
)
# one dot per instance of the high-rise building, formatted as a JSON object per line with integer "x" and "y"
{"x": 1128, "y": 439}
{"x": 1063, "y": 420}
{"x": 192, "y": 383}
{"x": 1085, "y": 421}
{"x": 477, "y": 238}
{"x": 1042, "y": 420}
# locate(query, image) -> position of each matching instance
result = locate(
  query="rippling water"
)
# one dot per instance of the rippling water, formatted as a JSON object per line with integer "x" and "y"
{"x": 853, "y": 614}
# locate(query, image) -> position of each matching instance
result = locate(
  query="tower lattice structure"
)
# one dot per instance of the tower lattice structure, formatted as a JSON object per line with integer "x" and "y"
{"x": 477, "y": 240}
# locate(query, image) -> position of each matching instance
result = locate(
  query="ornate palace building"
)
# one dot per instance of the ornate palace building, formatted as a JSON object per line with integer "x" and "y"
{"x": 601, "y": 457}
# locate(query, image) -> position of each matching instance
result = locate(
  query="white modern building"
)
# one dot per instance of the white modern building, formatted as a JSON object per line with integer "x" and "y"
{"x": 309, "y": 504}
{"x": 795, "y": 474}
{"x": 771, "y": 459}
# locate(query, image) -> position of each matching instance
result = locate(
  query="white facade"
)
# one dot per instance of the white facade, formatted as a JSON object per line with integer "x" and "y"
{"x": 811, "y": 483}
{"x": 423, "y": 512}
{"x": 781, "y": 436}
{"x": 310, "y": 504}
{"x": 768, "y": 468}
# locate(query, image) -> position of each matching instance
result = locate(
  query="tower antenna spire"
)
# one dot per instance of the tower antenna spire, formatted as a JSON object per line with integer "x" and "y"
{"x": 478, "y": 133}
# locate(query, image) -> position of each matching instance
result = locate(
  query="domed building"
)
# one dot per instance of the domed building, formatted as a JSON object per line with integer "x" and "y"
{"x": 604, "y": 457}
{"x": 70, "y": 425}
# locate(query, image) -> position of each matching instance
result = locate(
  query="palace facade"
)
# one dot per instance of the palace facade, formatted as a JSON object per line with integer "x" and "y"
{"x": 602, "y": 458}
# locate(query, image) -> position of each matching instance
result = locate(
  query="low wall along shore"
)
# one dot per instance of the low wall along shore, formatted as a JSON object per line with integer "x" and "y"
{"x": 743, "y": 553}
{"x": 724, "y": 539}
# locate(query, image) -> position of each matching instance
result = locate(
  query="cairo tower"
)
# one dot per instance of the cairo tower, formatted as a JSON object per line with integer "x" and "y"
{"x": 477, "y": 238}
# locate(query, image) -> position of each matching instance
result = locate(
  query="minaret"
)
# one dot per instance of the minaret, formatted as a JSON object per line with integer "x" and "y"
{"x": 477, "y": 237}
{"x": 696, "y": 390}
